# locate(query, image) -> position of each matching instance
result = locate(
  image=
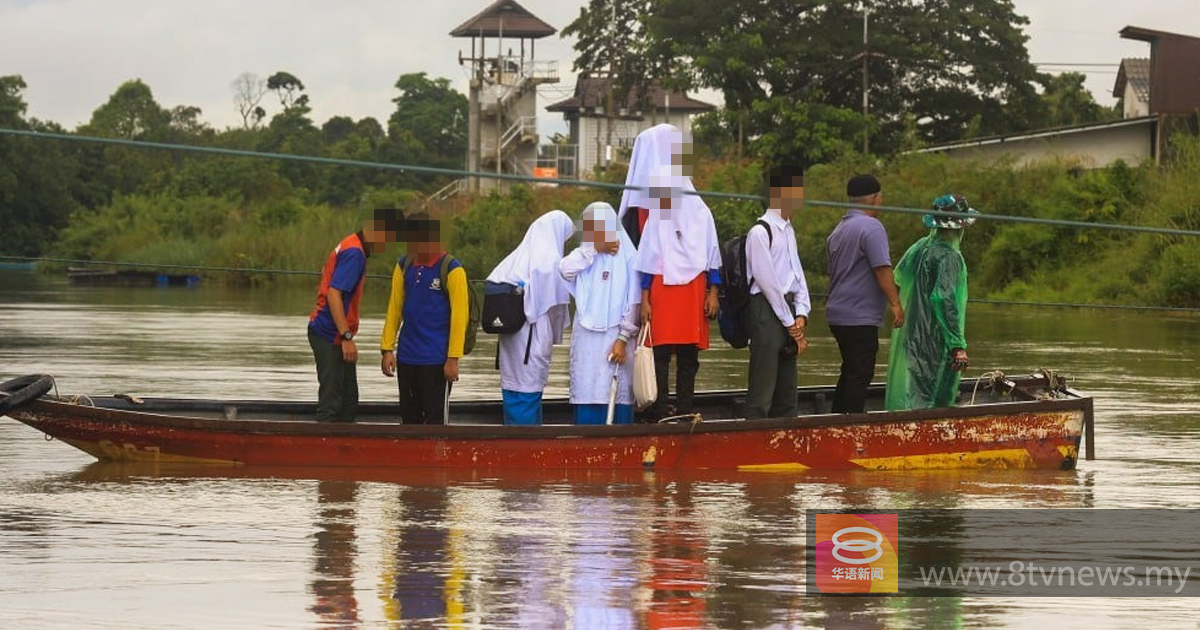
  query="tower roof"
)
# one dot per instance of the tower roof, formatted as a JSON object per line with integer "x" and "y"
{"x": 504, "y": 18}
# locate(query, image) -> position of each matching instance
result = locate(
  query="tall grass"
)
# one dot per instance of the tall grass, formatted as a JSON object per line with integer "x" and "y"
{"x": 287, "y": 230}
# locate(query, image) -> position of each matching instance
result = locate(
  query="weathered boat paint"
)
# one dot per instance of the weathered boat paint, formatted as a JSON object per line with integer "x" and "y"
{"x": 1008, "y": 435}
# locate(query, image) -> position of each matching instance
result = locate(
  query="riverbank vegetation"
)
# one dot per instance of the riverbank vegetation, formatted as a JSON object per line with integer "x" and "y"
{"x": 95, "y": 202}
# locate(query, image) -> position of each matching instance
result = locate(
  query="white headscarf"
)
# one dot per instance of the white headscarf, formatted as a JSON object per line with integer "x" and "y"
{"x": 681, "y": 243}
{"x": 653, "y": 149}
{"x": 606, "y": 290}
{"x": 535, "y": 262}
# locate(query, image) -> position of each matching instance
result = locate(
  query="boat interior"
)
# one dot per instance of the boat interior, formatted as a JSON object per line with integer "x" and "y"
{"x": 715, "y": 405}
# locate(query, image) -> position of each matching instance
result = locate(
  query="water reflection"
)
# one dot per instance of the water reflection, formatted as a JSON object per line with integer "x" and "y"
{"x": 608, "y": 549}
{"x": 427, "y": 572}
{"x": 678, "y": 579}
{"x": 334, "y": 552}
{"x": 514, "y": 549}
{"x": 603, "y": 572}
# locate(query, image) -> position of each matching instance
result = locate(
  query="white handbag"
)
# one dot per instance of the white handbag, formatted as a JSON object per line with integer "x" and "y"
{"x": 645, "y": 385}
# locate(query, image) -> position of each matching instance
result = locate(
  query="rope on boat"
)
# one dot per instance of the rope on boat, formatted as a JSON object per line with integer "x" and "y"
{"x": 1056, "y": 386}
{"x": 74, "y": 399}
{"x": 693, "y": 418}
{"x": 994, "y": 378}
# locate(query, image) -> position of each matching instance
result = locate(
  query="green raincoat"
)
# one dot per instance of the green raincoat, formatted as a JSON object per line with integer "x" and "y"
{"x": 932, "y": 277}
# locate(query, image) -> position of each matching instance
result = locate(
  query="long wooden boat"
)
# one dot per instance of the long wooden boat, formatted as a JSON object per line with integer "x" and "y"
{"x": 1001, "y": 423}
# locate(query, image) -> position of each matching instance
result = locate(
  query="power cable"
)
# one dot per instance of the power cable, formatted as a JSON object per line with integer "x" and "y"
{"x": 433, "y": 170}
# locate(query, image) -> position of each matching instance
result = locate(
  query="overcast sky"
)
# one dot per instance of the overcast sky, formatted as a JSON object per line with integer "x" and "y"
{"x": 74, "y": 53}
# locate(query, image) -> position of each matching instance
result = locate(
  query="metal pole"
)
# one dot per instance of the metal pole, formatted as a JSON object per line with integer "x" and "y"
{"x": 866, "y": 87}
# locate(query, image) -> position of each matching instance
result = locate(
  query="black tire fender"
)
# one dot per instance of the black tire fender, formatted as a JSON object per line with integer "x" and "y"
{"x": 23, "y": 390}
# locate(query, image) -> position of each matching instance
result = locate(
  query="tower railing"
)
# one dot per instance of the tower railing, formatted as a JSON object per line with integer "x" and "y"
{"x": 512, "y": 76}
{"x": 523, "y": 127}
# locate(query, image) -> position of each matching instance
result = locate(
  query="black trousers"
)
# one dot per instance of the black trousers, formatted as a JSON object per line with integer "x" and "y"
{"x": 422, "y": 393}
{"x": 685, "y": 378}
{"x": 859, "y": 346}
{"x": 337, "y": 392}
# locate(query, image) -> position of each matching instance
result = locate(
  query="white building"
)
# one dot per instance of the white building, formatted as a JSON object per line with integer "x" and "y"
{"x": 1133, "y": 87}
{"x": 1093, "y": 145}
{"x": 602, "y": 125}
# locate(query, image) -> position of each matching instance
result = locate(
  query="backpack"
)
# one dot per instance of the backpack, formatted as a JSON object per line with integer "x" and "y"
{"x": 474, "y": 310}
{"x": 734, "y": 294}
{"x": 503, "y": 308}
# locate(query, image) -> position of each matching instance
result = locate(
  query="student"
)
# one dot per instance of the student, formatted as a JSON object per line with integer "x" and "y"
{"x": 524, "y": 356}
{"x": 432, "y": 324}
{"x": 777, "y": 314}
{"x": 929, "y": 352}
{"x": 607, "y": 293}
{"x": 860, "y": 283}
{"x": 680, "y": 262}
{"x": 654, "y": 148}
{"x": 334, "y": 322}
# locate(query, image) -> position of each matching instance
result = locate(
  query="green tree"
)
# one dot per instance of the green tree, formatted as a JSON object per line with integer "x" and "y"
{"x": 611, "y": 41}
{"x": 293, "y": 131}
{"x": 1068, "y": 102}
{"x": 186, "y": 123}
{"x": 429, "y": 125}
{"x": 944, "y": 63}
{"x": 12, "y": 104}
{"x": 337, "y": 129}
{"x": 35, "y": 179}
{"x": 130, "y": 113}
{"x": 288, "y": 88}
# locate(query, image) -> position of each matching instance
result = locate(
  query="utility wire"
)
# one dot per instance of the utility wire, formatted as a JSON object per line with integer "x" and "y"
{"x": 156, "y": 266}
{"x": 432, "y": 170}
{"x": 293, "y": 272}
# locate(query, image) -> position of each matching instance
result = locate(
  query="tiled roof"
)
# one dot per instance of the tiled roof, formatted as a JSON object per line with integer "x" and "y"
{"x": 504, "y": 18}
{"x": 592, "y": 92}
{"x": 1135, "y": 71}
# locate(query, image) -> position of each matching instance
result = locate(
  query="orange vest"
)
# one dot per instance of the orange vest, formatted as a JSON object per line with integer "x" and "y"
{"x": 322, "y": 310}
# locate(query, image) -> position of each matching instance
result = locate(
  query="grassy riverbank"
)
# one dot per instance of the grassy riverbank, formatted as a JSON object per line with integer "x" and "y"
{"x": 287, "y": 230}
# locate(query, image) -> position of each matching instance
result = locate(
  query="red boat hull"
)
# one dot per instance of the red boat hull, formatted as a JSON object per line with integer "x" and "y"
{"x": 1041, "y": 434}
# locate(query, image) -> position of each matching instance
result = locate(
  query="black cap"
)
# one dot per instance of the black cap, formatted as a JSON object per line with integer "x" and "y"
{"x": 862, "y": 186}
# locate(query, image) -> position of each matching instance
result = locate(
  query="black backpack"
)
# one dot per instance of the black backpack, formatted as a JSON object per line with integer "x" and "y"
{"x": 734, "y": 294}
{"x": 503, "y": 308}
{"x": 473, "y": 299}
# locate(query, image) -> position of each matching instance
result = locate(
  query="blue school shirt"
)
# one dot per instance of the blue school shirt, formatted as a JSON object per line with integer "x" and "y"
{"x": 425, "y": 335}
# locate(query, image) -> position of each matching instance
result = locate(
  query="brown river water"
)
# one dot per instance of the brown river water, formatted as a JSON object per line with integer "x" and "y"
{"x": 89, "y": 545}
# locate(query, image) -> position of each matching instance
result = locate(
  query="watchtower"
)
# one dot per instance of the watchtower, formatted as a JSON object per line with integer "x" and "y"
{"x": 502, "y": 131}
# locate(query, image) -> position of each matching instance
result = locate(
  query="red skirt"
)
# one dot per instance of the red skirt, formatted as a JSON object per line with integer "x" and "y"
{"x": 677, "y": 313}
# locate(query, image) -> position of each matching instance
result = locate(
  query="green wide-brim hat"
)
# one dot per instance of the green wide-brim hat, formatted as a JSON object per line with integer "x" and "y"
{"x": 951, "y": 203}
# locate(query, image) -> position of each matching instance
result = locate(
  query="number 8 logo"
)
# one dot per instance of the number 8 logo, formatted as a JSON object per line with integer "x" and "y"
{"x": 857, "y": 546}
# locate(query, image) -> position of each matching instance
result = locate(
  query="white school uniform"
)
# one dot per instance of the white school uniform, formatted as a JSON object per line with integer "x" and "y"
{"x": 607, "y": 297}
{"x": 774, "y": 266}
{"x": 535, "y": 263}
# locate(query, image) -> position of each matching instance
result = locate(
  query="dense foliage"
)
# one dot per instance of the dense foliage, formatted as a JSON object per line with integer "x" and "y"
{"x": 97, "y": 202}
{"x": 791, "y": 71}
